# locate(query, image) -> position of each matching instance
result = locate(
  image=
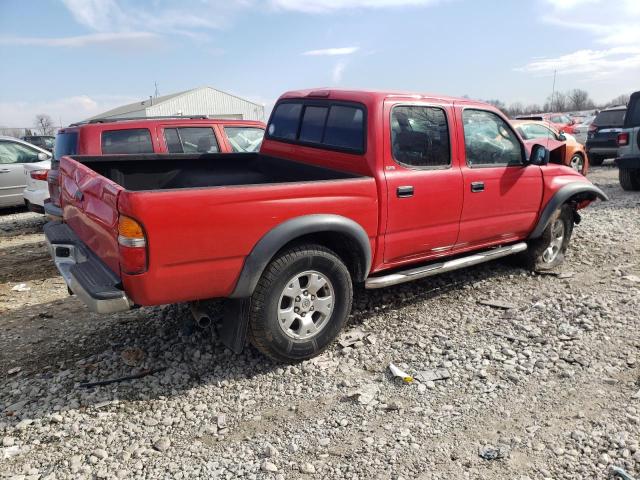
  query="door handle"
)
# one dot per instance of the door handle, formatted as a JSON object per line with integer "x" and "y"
{"x": 405, "y": 191}
{"x": 5, "y": 170}
{"x": 477, "y": 187}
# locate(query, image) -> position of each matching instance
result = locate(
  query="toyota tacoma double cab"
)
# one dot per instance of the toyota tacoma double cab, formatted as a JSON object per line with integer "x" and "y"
{"x": 349, "y": 187}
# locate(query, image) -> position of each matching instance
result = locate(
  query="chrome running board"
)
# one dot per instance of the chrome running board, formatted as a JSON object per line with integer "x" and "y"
{"x": 442, "y": 267}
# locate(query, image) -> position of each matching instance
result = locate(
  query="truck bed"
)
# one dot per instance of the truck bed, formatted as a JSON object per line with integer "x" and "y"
{"x": 166, "y": 172}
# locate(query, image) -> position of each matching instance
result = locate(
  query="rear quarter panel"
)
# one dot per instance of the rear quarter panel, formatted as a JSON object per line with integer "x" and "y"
{"x": 198, "y": 238}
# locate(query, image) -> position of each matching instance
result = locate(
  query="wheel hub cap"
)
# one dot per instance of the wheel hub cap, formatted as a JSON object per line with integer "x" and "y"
{"x": 557, "y": 238}
{"x": 306, "y": 304}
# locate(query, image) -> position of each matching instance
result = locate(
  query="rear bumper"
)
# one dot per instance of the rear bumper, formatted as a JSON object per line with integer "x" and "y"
{"x": 84, "y": 273}
{"x": 604, "y": 151}
{"x": 631, "y": 161}
{"x": 52, "y": 212}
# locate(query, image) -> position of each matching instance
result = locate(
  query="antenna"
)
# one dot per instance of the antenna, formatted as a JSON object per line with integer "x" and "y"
{"x": 553, "y": 92}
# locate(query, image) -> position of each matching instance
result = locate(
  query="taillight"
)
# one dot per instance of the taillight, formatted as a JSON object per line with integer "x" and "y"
{"x": 132, "y": 244}
{"x": 623, "y": 139}
{"x": 39, "y": 174}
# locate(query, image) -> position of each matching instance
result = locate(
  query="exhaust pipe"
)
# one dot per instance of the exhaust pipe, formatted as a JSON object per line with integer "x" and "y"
{"x": 202, "y": 318}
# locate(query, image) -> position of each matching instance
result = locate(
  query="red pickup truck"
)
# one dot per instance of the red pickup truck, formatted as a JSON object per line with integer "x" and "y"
{"x": 349, "y": 187}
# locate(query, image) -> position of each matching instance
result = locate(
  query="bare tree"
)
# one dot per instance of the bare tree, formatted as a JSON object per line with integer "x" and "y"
{"x": 579, "y": 99}
{"x": 619, "y": 100}
{"x": 556, "y": 103}
{"x": 499, "y": 104}
{"x": 44, "y": 124}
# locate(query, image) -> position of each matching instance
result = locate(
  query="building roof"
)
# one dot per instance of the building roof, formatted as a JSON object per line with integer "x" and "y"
{"x": 152, "y": 102}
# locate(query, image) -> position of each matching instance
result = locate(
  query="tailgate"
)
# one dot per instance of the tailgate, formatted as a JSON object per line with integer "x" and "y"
{"x": 89, "y": 203}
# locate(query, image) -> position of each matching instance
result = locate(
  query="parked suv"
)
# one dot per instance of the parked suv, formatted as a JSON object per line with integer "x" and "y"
{"x": 43, "y": 141}
{"x": 628, "y": 160}
{"x": 195, "y": 135}
{"x": 602, "y": 137}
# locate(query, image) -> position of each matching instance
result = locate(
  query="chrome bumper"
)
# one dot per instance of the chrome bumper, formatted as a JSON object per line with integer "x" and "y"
{"x": 68, "y": 252}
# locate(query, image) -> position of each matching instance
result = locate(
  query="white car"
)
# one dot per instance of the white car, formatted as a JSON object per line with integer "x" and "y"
{"x": 580, "y": 130}
{"x": 18, "y": 160}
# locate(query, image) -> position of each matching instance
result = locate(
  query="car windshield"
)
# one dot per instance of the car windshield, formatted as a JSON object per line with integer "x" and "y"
{"x": 244, "y": 139}
{"x": 610, "y": 118}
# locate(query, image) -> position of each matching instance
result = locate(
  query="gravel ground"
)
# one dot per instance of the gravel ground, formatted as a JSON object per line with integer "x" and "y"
{"x": 545, "y": 383}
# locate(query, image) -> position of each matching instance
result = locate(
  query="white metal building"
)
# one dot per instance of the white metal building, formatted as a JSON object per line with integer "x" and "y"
{"x": 197, "y": 101}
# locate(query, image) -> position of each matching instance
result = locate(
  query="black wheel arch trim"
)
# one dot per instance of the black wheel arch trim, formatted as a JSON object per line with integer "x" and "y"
{"x": 631, "y": 161}
{"x": 294, "y": 228}
{"x": 560, "y": 198}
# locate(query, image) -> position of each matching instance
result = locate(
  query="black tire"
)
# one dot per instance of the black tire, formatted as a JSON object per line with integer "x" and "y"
{"x": 536, "y": 256}
{"x": 629, "y": 178}
{"x": 265, "y": 331}
{"x": 595, "y": 160}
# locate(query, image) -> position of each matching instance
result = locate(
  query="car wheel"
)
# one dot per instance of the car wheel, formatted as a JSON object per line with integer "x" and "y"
{"x": 547, "y": 252}
{"x": 300, "y": 304}
{"x": 578, "y": 163}
{"x": 629, "y": 178}
{"x": 596, "y": 160}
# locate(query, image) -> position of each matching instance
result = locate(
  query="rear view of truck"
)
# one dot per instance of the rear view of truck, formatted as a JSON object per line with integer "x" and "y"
{"x": 628, "y": 159}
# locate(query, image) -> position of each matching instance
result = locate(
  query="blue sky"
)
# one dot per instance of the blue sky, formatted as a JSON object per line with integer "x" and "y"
{"x": 76, "y": 58}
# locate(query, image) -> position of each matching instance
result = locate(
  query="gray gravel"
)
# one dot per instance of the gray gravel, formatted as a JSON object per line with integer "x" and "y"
{"x": 517, "y": 376}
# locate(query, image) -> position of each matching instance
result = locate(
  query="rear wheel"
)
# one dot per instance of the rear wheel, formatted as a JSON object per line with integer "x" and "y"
{"x": 300, "y": 303}
{"x": 547, "y": 252}
{"x": 578, "y": 163}
{"x": 629, "y": 178}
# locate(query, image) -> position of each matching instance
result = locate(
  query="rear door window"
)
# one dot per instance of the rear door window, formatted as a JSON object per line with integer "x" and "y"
{"x": 126, "y": 141}
{"x": 633, "y": 112}
{"x": 244, "y": 139}
{"x": 191, "y": 140}
{"x": 331, "y": 125}
{"x": 420, "y": 136}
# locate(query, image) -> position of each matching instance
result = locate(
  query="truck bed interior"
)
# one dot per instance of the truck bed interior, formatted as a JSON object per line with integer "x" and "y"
{"x": 162, "y": 172}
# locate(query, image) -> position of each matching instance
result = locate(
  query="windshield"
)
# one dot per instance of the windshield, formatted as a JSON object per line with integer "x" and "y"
{"x": 610, "y": 118}
{"x": 244, "y": 139}
{"x": 66, "y": 144}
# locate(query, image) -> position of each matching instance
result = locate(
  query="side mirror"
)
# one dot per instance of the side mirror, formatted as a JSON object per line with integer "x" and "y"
{"x": 562, "y": 137}
{"x": 43, "y": 156}
{"x": 539, "y": 155}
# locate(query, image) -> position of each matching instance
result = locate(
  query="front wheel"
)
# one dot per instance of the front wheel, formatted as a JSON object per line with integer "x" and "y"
{"x": 629, "y": 178}
{"x": 547, "y": 252}
{"x": 300, "y": 303}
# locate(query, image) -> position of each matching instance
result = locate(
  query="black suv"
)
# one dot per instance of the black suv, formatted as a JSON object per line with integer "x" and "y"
{"x": 43, "y": 141}
{"x": 602, "y": 137}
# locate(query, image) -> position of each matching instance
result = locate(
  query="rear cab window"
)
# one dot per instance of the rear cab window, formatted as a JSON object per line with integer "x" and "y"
{"x": 126, "y": 141}
{"x": 330, "y": 125}
{"x": 191, "y": 140}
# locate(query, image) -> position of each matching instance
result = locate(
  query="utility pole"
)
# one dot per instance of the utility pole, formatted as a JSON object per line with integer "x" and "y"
{"x": 553, "y": 90}
{"x": 156, "y": 85}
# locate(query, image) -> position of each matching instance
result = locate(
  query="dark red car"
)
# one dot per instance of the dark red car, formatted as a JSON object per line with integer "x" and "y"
{"x": 349, "y": 187}
{"x": 562, "y": 122}
{"x": 153, "y": 135}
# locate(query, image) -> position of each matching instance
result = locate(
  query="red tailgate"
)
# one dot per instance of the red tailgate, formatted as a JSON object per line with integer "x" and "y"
{"x": 89, "y": 202}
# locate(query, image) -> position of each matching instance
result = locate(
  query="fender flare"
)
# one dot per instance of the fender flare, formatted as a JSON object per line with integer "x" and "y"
{"x": 278, "y": 237}
{"x": 560, "y": 197}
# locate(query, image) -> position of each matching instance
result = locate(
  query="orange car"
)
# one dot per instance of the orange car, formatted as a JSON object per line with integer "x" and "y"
{"x": 573, "y": 155}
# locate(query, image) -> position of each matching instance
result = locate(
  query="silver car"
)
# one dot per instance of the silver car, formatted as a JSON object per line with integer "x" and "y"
{"x": 15, "y": 155}
{"x": 580, "y": 130}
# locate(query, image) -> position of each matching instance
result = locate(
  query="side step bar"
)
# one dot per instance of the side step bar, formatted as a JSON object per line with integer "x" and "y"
{"x": 442, "y": 267}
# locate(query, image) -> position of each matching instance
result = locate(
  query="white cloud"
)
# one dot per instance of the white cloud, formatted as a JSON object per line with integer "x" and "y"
{"x": 332, "y": 51}
{"x": 66, "y": 110}
{"x": 599, "y": 62}
{"x": 614, "y": 25}
{"x": 81, "y": 40}
{"x": 338, "y": 71}
{"x": 324, "y": 6}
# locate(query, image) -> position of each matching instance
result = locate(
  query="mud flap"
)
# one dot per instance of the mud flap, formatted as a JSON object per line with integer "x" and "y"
{"x": 232, "y": 330}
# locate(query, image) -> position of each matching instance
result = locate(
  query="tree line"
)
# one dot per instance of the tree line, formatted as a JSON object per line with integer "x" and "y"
{"x": 570, "y": 101}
